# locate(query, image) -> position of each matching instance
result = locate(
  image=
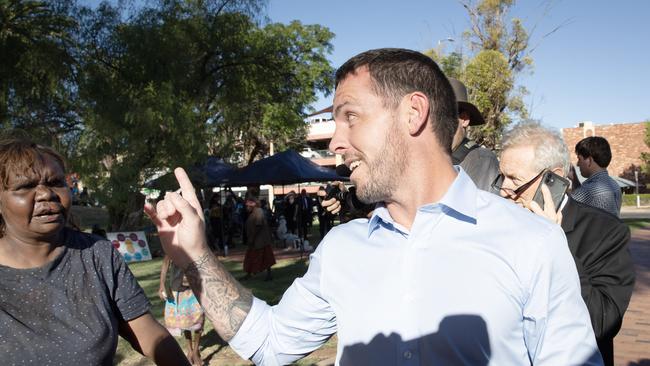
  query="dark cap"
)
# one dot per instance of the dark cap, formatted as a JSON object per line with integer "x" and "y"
{"x": 475, "y": 117}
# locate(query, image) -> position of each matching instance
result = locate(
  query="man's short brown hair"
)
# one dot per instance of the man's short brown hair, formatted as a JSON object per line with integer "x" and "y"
{"x": 597, "y": 148}
{"x": 396, "y": 72}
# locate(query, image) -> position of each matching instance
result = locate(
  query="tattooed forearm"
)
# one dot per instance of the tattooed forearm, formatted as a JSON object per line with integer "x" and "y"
{"x": 225, "y": 301}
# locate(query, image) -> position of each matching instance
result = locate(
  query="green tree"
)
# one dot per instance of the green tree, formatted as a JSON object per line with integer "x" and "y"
{"x": 499, "y": 50}
{"x": 490, "y": 30}
{"x": 172, "y": 83}
{"x": 37, "y": 69}
{"x": 646, "y": 156}
{"x": 490, "y": 79}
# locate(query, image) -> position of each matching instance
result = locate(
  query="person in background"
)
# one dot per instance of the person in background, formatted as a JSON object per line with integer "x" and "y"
{"x": 304, "y": 214}
{"x": 259, "y": 255}
{"x": 480, "y": 163}
{"x": 64, "y": 295}
{"x": 291, "y": 212}
{"x": 268, "y": 214}
{"x": 599, "y": 190}
{"x": 216, "y": 225}
{"x": 324, "y": 216}
{"x": 229, "y": 207}
{"x": 97, "y": 230}
{"x": 597, "y": 239}
{"x": 183, "y": 313}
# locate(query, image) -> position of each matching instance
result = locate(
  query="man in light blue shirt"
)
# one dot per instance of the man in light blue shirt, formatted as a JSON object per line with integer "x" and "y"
{"x": 441, "y": 274}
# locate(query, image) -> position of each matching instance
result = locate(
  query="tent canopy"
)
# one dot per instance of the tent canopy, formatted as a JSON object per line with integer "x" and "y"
{"x": 287, "y": 167}
{"x": 208, "y": 174}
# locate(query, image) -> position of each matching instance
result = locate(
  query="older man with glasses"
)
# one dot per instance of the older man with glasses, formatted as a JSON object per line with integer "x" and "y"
{"x": 597, "y": 240}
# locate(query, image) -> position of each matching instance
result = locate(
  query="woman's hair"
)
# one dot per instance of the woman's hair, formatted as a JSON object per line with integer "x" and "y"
{"x": 19, "y": 156}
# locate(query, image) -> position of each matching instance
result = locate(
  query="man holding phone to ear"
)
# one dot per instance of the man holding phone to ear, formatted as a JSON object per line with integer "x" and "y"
{"x": 534, "y": 162}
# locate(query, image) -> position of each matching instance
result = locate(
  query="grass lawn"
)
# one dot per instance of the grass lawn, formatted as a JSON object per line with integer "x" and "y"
{"x": 213, "y": 350}
{"x": 637, "y": 223}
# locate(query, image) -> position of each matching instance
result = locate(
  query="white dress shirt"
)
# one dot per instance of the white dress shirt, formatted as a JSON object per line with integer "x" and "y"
{"x": 476, "y": 281}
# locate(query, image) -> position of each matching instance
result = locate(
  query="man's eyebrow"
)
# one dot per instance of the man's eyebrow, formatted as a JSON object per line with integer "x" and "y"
{"x": 338, "y": 108}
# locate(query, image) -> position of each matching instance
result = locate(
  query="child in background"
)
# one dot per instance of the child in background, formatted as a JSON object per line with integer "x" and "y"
{"x": 183, "y": 313}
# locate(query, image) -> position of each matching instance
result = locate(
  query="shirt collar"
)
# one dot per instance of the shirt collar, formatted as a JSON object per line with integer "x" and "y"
{"x": 599, "y": 174}
{"x": 459, "y": 202}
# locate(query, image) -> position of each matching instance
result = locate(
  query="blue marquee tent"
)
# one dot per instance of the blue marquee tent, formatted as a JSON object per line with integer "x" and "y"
{"x": 287, "y": 167}
{"x": 208, "y": 174}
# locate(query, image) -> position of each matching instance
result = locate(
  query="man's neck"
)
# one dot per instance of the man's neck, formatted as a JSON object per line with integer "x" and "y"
{"x": 596, "y": 171}
{"x": 427, "y": 183}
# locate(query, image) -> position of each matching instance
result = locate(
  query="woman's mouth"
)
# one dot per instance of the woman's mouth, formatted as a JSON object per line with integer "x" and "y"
{"x": 46, "y": 216}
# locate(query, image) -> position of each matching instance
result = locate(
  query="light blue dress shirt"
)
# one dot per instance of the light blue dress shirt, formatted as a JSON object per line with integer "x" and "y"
{"x": 476, "y": 281}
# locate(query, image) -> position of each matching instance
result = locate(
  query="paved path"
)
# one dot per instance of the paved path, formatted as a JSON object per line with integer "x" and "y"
{"x": 631, "y": 212}
{"x": 632, "y": 344}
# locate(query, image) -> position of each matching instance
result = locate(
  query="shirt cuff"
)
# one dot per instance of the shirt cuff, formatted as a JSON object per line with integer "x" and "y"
{"x": 253, "y": 331}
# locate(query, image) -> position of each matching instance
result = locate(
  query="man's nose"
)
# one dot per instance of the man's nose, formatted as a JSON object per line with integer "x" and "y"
{"x": 339, "y": 142}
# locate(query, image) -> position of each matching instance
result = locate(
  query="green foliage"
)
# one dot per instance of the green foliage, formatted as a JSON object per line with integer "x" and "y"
{"x": 452, "y": 64}
{"x": 37, "y": 67}
{"x": 646, "y": 156}
{"x": 499, "y": 52}
{"x": 630, "y": 199}
{"x": 489, "y": 80}
{"x": 170, "y": 84}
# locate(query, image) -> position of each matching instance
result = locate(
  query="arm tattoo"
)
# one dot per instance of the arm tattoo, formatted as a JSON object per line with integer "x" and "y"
{"x": 225, "y": 301}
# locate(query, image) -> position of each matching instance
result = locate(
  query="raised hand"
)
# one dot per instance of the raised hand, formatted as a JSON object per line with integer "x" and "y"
{"x": 549, "y": 211}
{"x": 180, "y": 222}
{"x": 181, "y": 227}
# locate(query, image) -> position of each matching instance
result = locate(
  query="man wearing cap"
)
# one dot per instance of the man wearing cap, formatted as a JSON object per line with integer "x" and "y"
{"x": 479, "y": 163}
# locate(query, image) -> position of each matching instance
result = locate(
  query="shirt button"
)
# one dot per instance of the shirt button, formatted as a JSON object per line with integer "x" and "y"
{"x": 408, "y": 354}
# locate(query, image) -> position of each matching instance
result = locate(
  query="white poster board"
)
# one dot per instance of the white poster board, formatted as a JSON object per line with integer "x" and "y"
{"x": 131, "y": 244}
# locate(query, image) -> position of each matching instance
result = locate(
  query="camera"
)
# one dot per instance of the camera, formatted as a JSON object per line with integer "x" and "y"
{"x": 334, "y": 192}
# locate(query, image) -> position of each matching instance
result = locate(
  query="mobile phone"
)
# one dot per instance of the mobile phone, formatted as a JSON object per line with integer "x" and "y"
{"x": 556, "y": 184}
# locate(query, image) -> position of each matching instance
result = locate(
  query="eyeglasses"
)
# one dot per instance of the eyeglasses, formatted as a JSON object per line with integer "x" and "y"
{"x": 497, "y": 185}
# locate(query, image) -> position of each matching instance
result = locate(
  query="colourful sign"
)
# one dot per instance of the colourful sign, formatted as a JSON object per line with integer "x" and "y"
{"x": 132, "y": 245}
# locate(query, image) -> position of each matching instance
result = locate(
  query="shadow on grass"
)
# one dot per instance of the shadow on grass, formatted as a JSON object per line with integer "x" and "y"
{"x": 208, "y": 340}
{"x": 284, "y": 273}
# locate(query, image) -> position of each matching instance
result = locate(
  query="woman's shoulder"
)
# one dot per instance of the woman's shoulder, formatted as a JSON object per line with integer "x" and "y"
{"x": 78, "y": 240}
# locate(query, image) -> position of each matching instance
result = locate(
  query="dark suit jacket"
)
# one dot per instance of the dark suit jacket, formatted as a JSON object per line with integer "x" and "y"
{"x": 599, "y": 244}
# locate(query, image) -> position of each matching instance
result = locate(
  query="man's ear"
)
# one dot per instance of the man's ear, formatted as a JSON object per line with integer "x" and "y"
{"x": 463, "y": 118}
{"x": 418, "y": 112}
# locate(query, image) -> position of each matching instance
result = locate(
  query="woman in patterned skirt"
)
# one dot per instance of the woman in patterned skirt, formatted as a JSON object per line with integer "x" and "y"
{"x": 183, "y": 313}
